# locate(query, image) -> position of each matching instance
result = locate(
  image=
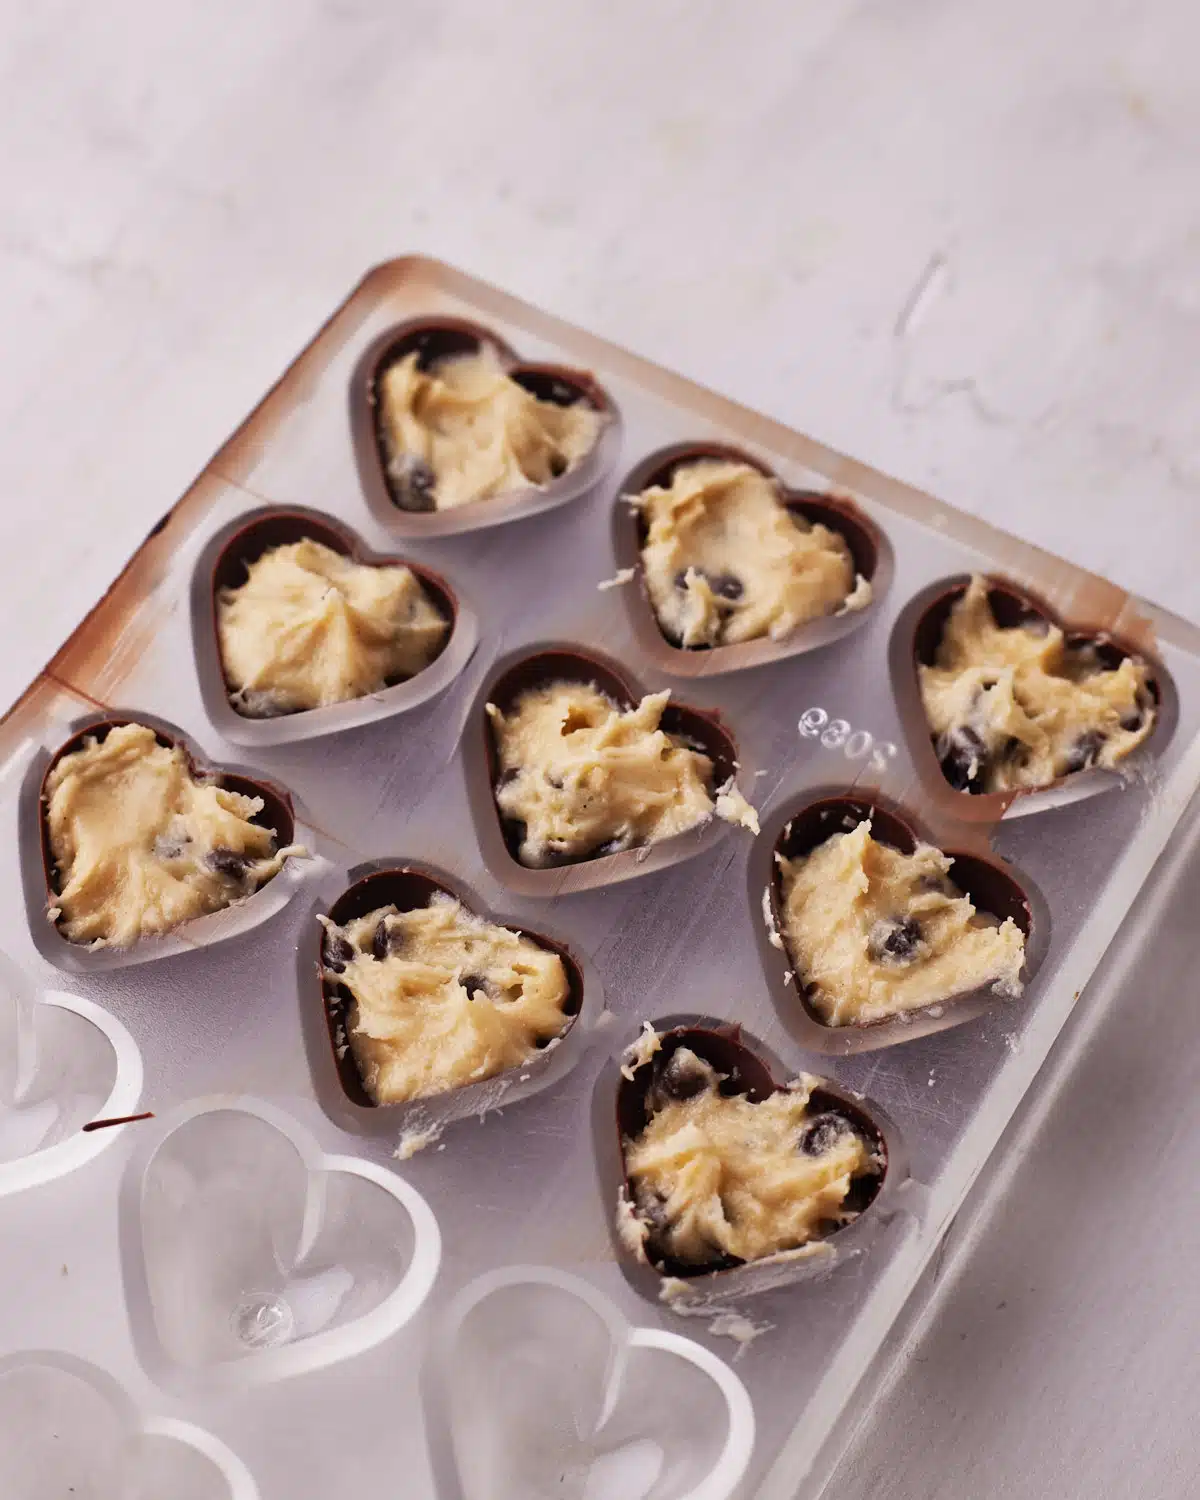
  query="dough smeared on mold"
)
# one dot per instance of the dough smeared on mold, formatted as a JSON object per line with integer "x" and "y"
{"x": 141, "y": 844}
{"x": 309, "y": 628}
{"x": 715, "y": 1177}
{"x": 1017, "y": 707}
{"x": 734, "y": 808}
{"x": 726, "y": 561}
{"x": 585, "y": 777}
{"x": 464, "y": 430}
{"x": 441, "y": 998}
{"x": 874, "y": 933}
{"x": 640, "y": 1051}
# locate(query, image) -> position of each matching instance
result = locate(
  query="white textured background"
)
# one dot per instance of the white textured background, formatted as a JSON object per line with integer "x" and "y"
{"x": 960, "y": 240}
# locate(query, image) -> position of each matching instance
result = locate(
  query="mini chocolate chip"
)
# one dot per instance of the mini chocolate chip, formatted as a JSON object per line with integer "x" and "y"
{"x": 680, "y": 579}
{"x": 476, "y": 984}
{"x": 336, "y": 951}
{"x": 507, "y": 777}
{"x": 228, "y": 862}
{"x": 679, "y": 1080}
{"x": 381, "y": 940}
{"x": 823, "y": 1132}
{"x": 558, "y": 465}
{"x": 413, "y": 483}
{"x": 555, "y": 780}
{"x": 963, "y": 756}
{"x": 895, "y": 941}
{"x": 1084, "y": 752}
{"x": 727, "y": 585}
{"x": 1134, "y": 720}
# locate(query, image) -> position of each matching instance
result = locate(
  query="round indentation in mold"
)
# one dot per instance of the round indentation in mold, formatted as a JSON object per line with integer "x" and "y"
{"x": 992, "y": 885}
{"x": 325, "y": 1005}
{"x": 537, "y": 1384}
{"x": 915, "y": 640}
{"x": 40, "y": 877}
{"x": 223, "y": 564}
{"x": 250, "y": 1255}
{"x": 64, "y": 1064}
{"x": 68, "y": 1428}
{"x": 540, "y": 666}
{"x": 869, "y": 548}
{"x": 620, "y": 1112}
{"x": 436, "y": 339}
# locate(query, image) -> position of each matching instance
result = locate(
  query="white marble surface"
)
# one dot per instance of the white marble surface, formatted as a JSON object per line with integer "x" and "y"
{"x": 959, "y": 240}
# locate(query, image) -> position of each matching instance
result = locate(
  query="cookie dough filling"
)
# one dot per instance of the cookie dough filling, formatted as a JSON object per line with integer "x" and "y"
{"x": 441, "y": 997}
{"x": 1015, "y": 707}
{"x": 465, "y": 430}
{"x": 310, "y": 627}
{"x": 584, "y": 777}
{"x": 725, "y": 561}
{"x": 142, "y": 844}
{"x": 875, "y": 933}
{"x": 715, "y": 1177}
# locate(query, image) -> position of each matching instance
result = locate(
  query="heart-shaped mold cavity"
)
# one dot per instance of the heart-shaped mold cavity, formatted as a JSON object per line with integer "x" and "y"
{"x": 869, "y": 548}
{"x": 326, "y": 1003}
{"x": 993, "y": 887}
{"x": 40, "y": 876}
{"x": 65, "y": 1064}
{"x": 438, "y": 339}
{"x": 538, "y": 1386}
{"x": 499, "y": 837}
{"x": 68, "y": 1429}
{"x": 249, "y": 1255}
{"x": 223, "y": 564}
{"x": 622, "y": 1109}
{"x": 915, "y": 640}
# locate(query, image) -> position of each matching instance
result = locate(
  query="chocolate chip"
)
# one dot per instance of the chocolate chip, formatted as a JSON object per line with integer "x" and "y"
{"x": 1084, "y": 752}
{"x": 413, "y": 483}
{"x": 384, "y": 942}
{"x": 963, "y": 756}
{"x": 506, "y": 778}
{"x": 681, "y": 578}
{"x": 336, "y": 951}
{"x": 228, "y": 862}
{"x": 1134, "y": 720}
{"x": 823, "y": 1132}
{"x": 895, "y": 941}
{"x": 558, "y": 465}
{"x": 726, "y": 585}
{"x": 680, "y": 1079}
{"x": 477, "y": 984}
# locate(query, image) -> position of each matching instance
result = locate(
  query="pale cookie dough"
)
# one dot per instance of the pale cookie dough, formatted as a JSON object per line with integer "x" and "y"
{"x": 726, "y": 561}
{"x": 1018, "y": 707}
{"x": 441, "y": 997}
{"x": 586, "y": 777}
{"x": 713, "y": 1177}
{"x": 141, "y": 845}
{"x": 310, "y": 627}
{"x": 465, "y": 430}
{"x": 875, "y": 933}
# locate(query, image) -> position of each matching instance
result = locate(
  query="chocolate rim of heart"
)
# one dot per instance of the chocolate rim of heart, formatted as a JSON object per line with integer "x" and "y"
{"x": 748, "y": 1072}
{"x": 703, "y": 728}
{"x": 992, "y": 886}
{"x": 1011, "y": 606}
{"x": 409, "y": 888}
{"x": 278, "y": 527}
{"x": 436, "y": 339}
{"x": 869, "y": 550}
{"x": 277, "y": 813}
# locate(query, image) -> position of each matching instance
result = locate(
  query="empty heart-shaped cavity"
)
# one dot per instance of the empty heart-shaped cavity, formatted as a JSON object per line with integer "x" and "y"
{"x": 408, "y": 510}
{"x": 869, "y": 549}
{"x": 500, "y": 837}
{"x": 67, "y": 1428}
{"x": 628, "y": 1098}
{"x": 948, "y": 770}
{"x": 224, "y": 564}
{"x": 993, "y": 887}
{"x": 249, "y": 1255}
{"x": 41, "y": 877}
{"x": 65, "y": 1064}
{"x": 327, "y": 1006}
{"x": 537, "y": 1387}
